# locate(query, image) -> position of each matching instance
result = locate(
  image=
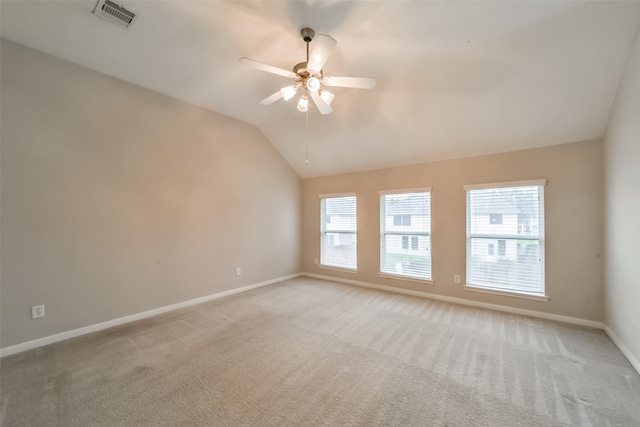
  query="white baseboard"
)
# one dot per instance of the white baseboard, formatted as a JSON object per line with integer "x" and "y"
{"x": 18, "y": 348}
{"x": 462, "y": 301}
{"x": 623, "y": 348}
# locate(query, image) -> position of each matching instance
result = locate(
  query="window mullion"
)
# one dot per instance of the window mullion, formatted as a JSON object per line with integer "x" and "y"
{"x": 503, "y": 236}
{"x": 407, "y": 233}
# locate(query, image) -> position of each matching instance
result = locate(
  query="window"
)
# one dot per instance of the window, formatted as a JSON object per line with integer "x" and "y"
{"x": 509, "y": 216}
{"x": 338, "y": 234}
{"x": 405, "y": 233}
{"x": 495, "y": 218}
{"x": 400, "y": 220}
{"x": 502, "y": 248}
{"x": 414, "y": 243}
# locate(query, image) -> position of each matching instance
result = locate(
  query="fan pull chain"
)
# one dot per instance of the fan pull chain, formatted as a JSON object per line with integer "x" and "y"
{"x": 307, "y": 139}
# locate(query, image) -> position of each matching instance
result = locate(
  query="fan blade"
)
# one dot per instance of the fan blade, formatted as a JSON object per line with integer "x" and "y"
{"x": 323, "y": 45}
{"x": 354, "y": 82}
{"x": 271, "y": 98}
{"x": 323, "y": 107}
{"x": 269, "y": 68}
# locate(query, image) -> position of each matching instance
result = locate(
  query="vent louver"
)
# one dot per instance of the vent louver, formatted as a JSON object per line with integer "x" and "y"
{"x": 115, "y": 13}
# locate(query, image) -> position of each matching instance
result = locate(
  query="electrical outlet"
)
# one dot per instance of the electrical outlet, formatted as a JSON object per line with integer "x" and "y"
{"x": 315, "y": 261}
{"x": 37, "y": 311}
{"x": 456, "y": 278}
{"x": 238, "y": 271}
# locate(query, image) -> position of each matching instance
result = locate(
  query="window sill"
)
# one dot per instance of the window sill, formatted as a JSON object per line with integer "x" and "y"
{"x": 405, "y": 278}
{"x": 543, "y": 298}
{"x": 340, "y": 269}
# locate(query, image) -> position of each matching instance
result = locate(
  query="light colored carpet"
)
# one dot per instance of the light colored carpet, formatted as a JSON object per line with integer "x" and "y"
{"x": 311, "y": 352}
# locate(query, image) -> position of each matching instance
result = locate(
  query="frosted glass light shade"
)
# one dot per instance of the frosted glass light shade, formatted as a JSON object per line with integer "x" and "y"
{"x": 303, "y": 104}
{"x": 313, "y": 84}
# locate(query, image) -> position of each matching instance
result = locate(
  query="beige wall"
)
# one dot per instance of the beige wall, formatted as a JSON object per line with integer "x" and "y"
{"x": 118, "y": 200}
{"x": 573, "y": 212}
{"x": 622, "y": 241}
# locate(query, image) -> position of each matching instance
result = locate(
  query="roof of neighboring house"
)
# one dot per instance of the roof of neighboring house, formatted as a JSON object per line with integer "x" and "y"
{"x": 415, "y": 204}
{"x": 485, "y": 207}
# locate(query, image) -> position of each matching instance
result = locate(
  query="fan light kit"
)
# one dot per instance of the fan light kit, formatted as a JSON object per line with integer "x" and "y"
{"x": 309, "y": 76}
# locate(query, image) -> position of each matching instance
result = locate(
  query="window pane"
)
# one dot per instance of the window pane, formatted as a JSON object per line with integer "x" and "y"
{"x": 338, "y": 240}
{"x": 342, "y": 213}
{"x": 407, "y": 212}
{"x": 339, "y": 250}
{"x": 405, "y": 226}
{"x": 506, "y": 211}
{"x": 517, "y": 270}
{"x": 398, "y": 259}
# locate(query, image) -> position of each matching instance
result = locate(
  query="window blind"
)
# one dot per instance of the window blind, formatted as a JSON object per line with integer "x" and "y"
{"x": 505, "y": 239}
{"x": 338, "y": 229}
{"x": 405, "y": 234}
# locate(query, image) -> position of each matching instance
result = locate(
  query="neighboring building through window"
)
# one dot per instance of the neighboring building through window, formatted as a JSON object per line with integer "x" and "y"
{"x": 509, "y": 216}
{"x": 405, "y": 233}
{"x": 338, "y": 231}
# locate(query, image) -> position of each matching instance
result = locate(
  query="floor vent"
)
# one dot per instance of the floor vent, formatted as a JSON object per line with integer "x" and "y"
{"x": 115, "y": 13}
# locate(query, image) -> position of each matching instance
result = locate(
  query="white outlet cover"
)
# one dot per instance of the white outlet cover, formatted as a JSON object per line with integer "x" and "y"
{"x": 37, "y": 311}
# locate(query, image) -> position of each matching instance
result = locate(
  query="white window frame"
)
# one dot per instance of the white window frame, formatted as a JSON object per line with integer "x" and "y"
{"x": 470, "y": 285}
{"x": 323, "y": 222}
{"x": 403, "y": 233}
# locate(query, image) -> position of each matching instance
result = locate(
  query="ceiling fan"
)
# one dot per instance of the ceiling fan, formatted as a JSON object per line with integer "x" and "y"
{"x": 308, "y": 76}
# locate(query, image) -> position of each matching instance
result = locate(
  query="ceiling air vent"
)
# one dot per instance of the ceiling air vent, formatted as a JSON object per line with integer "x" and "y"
{"x": 115, "y": 13}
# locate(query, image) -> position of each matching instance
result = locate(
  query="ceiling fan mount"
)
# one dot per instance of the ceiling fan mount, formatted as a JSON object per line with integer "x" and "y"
{"x": 307, "y": 34}
{"x": 309, "y": 75}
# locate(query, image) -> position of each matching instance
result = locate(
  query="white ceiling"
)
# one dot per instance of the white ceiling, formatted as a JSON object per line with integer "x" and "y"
{"x": 454, "y": 78}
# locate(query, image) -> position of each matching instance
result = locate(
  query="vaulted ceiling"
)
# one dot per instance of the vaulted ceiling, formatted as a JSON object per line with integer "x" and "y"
{"x": 454, "y": 79}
